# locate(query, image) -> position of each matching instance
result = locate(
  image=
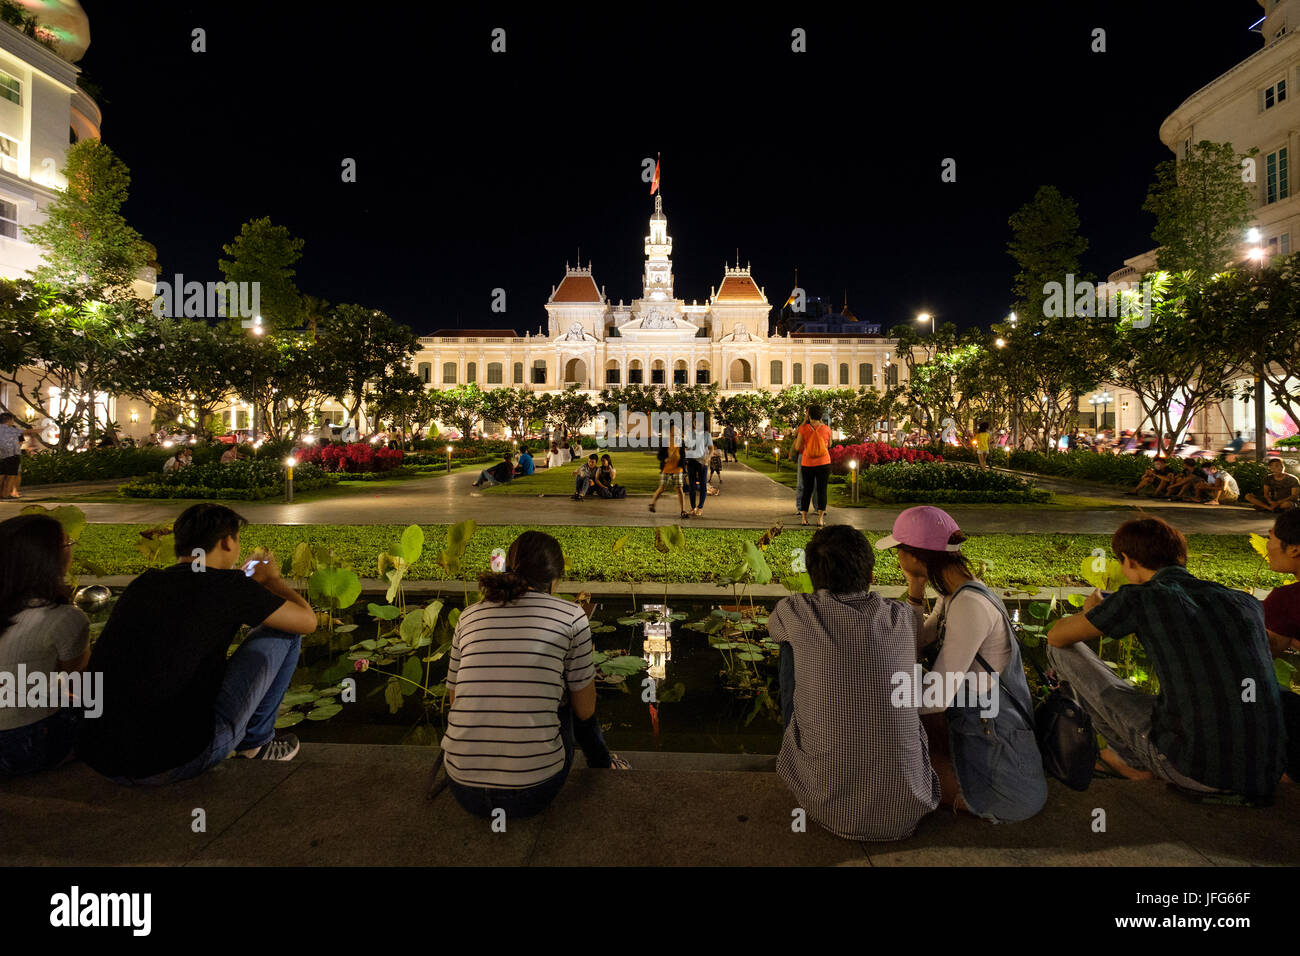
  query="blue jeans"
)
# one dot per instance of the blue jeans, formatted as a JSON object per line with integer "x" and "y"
{"x": 581, "y": 486}
{"x": 798, "y": 486}
{"x": 527, "y": 801}
{"x": 38, "y": 746}
{"x": 257, "y": 675}
{"x": 699, "y": 485}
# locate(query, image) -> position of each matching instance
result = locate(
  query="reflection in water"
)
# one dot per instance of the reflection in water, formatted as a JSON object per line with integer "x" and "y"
{"x": 656, "y": 648}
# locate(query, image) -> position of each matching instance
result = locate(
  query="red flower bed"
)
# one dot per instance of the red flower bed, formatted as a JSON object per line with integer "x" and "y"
{"x": 876, "y": 453}
{"x": 356, "y": 457}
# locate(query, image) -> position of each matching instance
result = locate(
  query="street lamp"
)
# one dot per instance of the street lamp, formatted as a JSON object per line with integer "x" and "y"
{"x": 925, "y": 317}
{"x": 853, "y": 480}
{"x": 1261, "y": 431}
{"x": 776, "y": 458}
{"x": 288, "y": 478}
{"x": 1103, "y": 399}
{"x": 449, "y": 459}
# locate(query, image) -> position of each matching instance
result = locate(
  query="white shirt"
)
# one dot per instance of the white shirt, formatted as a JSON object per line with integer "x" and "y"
{"x": 556, "y": 459}
{"x": 974, "y": 625}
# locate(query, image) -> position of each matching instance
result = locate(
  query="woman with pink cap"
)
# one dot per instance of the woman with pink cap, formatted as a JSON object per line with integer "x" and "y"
{"x": 983, "y": 747}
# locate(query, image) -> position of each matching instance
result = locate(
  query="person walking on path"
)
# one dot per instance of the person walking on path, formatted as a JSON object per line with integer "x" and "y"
{"x": 729, "y": 443}
{"x": 814, "y": 445}
{"x": 671, "y": 471}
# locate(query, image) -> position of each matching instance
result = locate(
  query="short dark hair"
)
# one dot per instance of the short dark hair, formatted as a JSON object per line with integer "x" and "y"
{"x": 6, "y": 417}
{"x": 814, "y": 411}
{"x": 606, "y": 457}
{"x": 1277, "y": 461}
{"x": 593, "y": 457}
{"x": 840, "y": 559}
{"x": 1287, "y": 527}
{"x": 523, "y": 449}
{"x": 1151, "y": 542}
{"x": 203, "y": 525}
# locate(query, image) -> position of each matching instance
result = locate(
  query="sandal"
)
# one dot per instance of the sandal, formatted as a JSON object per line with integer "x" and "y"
{"x": 618, "y": 763}
{"x": 686, "y": 514}
{"x": 652, "y": 507}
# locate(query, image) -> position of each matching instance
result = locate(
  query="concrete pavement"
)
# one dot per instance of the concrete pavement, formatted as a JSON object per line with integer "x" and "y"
{"x": 749, "y": 499}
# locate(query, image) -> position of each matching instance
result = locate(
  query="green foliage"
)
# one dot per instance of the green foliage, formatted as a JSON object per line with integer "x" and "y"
{"x": 71, "y": 517}
{"x": 932, "y": 481}
{"x": 265, "y": 253}
{"x": 243, "y": 480}
{"x": 1202, "y": 206}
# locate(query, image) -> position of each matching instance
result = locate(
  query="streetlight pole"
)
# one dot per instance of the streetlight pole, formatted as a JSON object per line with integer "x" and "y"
{"x": 1261, "y": 427}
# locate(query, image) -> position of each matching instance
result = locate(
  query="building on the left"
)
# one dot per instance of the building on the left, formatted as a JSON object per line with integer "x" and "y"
{"x": 43, "y": 111}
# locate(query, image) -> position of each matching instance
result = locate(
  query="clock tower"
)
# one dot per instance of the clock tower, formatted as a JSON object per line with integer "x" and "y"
{"x": 658, "y": 284}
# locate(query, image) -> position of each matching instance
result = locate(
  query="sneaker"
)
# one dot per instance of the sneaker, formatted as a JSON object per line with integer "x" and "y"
{"x": 283, "y": 747}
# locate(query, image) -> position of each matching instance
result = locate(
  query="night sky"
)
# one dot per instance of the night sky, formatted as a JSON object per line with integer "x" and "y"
{"x": 477, "y": 170}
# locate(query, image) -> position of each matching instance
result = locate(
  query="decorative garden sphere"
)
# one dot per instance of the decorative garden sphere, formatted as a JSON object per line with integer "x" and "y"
{"x": 92, "y": 598}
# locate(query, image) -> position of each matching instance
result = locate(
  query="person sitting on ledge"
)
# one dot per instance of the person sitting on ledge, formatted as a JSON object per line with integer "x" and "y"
{"x": 522, "y": 686}
{"x": 857, "y": 764}
{"x": 1281, "y": 492}
{"x": 498, "y": 474}
{"x": 174, "y": 706}
{"x": 1158, "y": 477}
{"x": 1203, "y": 732}
{"x": 1282, "y": 620}
{"x": 41, "y": 631}
{"x": 984, "y": 751}
{"x": 1218, "y": 486}
{"x": 525, "y": 466}
{"x": 585, "y": 477}
{"x": 1185, "y": 481}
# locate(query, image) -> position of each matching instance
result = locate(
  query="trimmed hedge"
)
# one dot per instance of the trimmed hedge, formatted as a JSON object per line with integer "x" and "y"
{"x": 243, "y": 480}
{"x": 927, "y": 482}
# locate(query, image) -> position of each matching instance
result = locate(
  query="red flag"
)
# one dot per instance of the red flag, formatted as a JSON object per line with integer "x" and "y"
{"x": 654, "y": 183}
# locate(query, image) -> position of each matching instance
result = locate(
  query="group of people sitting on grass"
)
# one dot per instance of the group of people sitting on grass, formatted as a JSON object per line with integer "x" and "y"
{"x": 1211, "y": 484}
{"x": 865, "y": 753}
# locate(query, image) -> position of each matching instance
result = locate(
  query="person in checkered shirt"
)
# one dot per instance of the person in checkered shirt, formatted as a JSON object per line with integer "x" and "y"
{"x": 857, "y": 764}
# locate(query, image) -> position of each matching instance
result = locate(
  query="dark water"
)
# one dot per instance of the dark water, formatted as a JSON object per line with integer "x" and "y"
{"x": 707, "y": 719}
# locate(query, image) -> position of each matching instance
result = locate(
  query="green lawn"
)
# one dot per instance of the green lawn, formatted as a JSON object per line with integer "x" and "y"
{"x": 1026, "y": 561}
{"x": 638, "y": 471}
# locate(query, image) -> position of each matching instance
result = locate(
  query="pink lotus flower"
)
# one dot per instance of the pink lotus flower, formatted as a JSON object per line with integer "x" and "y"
{"x": 361, "y": 665}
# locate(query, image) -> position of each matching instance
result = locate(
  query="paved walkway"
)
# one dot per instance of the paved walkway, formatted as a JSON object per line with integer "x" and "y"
{"x": 749, "y": 499}
{"x": 359, "y": 805}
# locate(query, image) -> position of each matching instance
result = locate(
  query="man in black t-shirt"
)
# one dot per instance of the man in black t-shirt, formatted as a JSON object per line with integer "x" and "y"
{"x": 173, "y": 704}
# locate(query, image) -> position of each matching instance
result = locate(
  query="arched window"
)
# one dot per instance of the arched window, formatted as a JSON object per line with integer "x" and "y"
{"x": 776, "y": 376}
{"x": 796, "y": 376}
{"x": 448, "y": 373}
{"x": 612, "y": 376}
{"x": 844, "y": 373}
{"x": 425, "y": 372}
{"x": 494, "y": 373}
{"x": 471, "y": 372}
{"x": 635, "y": 374}
{"x": 866, "y": 374}
{"x": 821, "y": 374}
{"x": 519, "y": 373}
{"x": 539, "y": 371}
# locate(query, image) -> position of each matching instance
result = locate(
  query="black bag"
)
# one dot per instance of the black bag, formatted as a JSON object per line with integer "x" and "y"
{"x": 619, "y": 491}
{"x": 1066, "y": 740}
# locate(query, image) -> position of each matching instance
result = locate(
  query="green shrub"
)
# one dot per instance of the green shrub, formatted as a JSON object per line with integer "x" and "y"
{"x": 240, "y": 479}
{"x": 934, "y": 482}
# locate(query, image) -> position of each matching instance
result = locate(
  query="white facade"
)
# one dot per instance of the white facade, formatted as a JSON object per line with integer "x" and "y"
{"x": 657, "y": 338}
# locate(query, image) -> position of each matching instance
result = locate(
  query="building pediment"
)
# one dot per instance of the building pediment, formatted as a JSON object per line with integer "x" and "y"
{"x": 659, "y": 325}
{"x": 576, "y": 333}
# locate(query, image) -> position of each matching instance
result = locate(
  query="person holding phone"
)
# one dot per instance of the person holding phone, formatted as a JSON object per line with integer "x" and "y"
{"x": 173, "y": 705}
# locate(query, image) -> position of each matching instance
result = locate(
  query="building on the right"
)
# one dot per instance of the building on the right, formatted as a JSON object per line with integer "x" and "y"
{"x": 1254, "y": 105}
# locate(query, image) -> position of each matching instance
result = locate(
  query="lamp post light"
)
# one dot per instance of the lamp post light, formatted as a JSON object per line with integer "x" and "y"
{"x": 1103, "y": 399}
{"x": 925, "y": 317}
{"x": 853, "y": 481}
{"x": 746, "y": 451}
{"x": 1261, "y": 429}
{"x": 288, "y": 478}
{"x": 449, "y": 459}
{"x": 776, "y": 458}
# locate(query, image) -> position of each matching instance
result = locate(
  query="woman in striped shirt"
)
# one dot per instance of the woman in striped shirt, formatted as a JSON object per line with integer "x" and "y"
{"x": 513, "y": 729}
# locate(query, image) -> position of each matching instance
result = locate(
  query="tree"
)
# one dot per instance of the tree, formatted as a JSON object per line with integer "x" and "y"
{"x": 364, "y": 346}
{"x": 184, "y": 369}
{"x": 516, "y": 408}
{"x": 939, "y": 380}
{"x": 743, "y": 412}
{"x": 1052, "y": 355}
{"x": 460, "y": 406}
{"x": 263, "y": 253}
{"x": 1202, "y": 206}
{"x": 1256, "y": 312}
{"x": 398, "y": 399}
{"x": 568, "y": 411}
{"x": 857, "y": 413}
{"x": 90, "y": 258}
{"x": 1175, "y": 363}
{"x": 284, "y": 378}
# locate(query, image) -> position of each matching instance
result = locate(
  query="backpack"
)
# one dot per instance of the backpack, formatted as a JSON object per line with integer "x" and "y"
{"x": 815, "y": 447}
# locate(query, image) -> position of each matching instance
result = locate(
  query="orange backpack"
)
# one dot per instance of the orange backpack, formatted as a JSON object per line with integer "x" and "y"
{"x": 815, "y": 447}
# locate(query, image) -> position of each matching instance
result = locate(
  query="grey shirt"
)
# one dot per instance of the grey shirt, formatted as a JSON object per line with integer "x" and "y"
{"x": 859, "y": 765}
{"x": 11, "y": 440}
{"x": 40, "y": 637}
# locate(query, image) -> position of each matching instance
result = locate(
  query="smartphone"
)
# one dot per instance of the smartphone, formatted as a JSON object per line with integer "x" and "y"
{"x": 1107, "y": 594}
{"x": 252, "y": 566}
